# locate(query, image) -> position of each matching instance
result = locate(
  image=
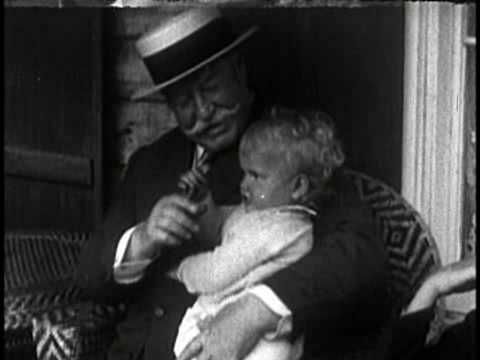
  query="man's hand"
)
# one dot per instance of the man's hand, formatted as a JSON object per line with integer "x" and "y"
{"x": 233, "y": 332}
{"x": 173, "y": 220}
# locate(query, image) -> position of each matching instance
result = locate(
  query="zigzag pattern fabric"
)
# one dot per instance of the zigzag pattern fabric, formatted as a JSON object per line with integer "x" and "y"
{"x": 75, "y": 331}
{"x": 18, "y": 310}
{"x": 40, "y": 301}
{"x": 412, "y": 251}
{"x": 54, "y": 342}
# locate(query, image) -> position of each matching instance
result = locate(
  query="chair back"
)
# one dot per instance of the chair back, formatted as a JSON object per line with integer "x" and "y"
{"x": 411, "y": 248}
{"x": 39, "y": 269}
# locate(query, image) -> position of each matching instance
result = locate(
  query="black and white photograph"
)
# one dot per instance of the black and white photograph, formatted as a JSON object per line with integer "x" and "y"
{"x": 239, "y": 180}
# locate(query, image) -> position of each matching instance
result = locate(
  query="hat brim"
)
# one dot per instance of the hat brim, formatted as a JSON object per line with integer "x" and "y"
{"x": 143, "y": 93}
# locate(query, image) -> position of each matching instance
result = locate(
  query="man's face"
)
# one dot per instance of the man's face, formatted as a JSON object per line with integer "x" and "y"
{"x": 267, "y": 180}
{"x": 212, "y": 106}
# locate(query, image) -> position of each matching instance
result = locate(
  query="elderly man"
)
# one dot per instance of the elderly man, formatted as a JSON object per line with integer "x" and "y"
{"x": 333, "y": 295}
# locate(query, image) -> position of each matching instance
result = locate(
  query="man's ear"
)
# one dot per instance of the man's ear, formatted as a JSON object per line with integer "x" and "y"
{"x": 300, "y": 187}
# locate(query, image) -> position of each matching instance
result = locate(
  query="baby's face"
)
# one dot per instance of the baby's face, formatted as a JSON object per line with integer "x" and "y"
{"x": 266, "y": 181}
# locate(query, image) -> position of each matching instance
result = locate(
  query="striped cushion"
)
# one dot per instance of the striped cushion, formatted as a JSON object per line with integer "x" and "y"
{"x": 40, "y": 260}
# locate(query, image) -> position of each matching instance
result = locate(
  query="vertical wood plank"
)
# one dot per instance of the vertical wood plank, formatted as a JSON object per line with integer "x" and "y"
{"x": 97, "y": 115}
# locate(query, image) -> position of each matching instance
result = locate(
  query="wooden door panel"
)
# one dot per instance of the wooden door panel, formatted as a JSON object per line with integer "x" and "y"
{"x": 52, "y": 118}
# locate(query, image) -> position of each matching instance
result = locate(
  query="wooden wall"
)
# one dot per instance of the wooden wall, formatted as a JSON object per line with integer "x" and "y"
{"x": 52, "y": 119}
{"x": 347, "y": 60}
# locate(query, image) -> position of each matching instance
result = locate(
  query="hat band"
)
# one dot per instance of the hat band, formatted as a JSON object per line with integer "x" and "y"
{"x": 190, "y": 51}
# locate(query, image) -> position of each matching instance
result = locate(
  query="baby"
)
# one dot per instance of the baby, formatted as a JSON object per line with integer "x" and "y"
{"x": 287, "y": 157}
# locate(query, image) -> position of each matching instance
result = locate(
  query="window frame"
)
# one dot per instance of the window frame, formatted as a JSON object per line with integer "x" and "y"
{"x": 434, "y": 125}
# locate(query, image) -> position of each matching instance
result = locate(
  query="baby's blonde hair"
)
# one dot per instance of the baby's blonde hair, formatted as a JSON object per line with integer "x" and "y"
{"x": 306, "y": 138}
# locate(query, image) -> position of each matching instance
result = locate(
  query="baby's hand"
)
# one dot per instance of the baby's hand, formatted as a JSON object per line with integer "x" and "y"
{"x": 455, "y": 278}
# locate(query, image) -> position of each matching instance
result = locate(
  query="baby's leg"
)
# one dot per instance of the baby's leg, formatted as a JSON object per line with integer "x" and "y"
{"x": 185, "y": 337}
{"x": 188, "y": 328}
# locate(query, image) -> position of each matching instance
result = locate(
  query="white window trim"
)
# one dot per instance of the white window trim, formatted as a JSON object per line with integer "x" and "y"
{"x": 433, "y": 124}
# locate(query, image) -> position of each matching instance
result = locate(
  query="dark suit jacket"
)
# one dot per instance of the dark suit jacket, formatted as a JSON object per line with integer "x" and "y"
{"x": 410, "y": 331}
{"x": 337, "y": 291}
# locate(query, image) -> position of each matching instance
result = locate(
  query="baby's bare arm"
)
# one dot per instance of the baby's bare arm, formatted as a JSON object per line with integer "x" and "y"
{"x": 454, "y": 278}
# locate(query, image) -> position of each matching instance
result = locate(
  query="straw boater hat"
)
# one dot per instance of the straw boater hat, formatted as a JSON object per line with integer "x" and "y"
{"x": 184, "y": 44}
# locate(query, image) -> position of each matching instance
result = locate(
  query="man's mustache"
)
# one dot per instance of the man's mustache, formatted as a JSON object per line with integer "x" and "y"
{"x": 220, "y": 114}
